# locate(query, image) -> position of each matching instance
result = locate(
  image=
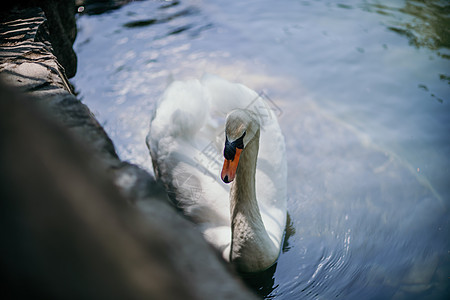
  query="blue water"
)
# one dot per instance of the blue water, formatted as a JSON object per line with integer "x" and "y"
{"x": 363, "y": 89}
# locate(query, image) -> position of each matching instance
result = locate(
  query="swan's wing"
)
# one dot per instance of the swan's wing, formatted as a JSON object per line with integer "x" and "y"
{"x": 185, "y": 155}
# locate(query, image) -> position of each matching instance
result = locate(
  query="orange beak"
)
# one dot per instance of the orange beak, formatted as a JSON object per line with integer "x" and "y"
{"x": 230, "y": 167}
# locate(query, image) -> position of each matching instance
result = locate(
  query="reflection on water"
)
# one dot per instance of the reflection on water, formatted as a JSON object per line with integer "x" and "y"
{"x": 363, "y": 87}
{"x": 424, "y": 23}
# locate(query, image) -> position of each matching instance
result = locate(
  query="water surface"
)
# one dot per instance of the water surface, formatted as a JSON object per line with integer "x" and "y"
{"x": 363, "y": 89}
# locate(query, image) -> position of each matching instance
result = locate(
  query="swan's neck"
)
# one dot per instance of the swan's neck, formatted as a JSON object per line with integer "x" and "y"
{"x": 251, "y": 248}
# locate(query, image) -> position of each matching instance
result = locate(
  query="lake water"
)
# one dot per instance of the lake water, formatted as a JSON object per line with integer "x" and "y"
{"x": 362, "y": 90}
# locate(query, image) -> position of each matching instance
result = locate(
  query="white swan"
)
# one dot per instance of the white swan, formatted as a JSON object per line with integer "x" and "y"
{"x": 186, "y": 142}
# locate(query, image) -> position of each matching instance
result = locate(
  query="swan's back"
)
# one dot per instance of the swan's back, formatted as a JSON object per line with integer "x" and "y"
{"x": 186, "y": 141}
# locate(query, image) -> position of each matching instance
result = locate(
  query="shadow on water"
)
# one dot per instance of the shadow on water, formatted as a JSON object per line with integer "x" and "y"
{"x": 189, "y": 11}
{"x": 189, "y": 23}
{"x": 262, "y": 283}
{"x": 289, "y": 231}
{"x": 97, "y": 7}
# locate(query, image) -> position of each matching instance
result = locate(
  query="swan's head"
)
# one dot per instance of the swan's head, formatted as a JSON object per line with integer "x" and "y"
{"x": 240, "y": 128}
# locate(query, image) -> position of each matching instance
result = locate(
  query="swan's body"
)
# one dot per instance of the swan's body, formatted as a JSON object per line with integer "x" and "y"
{"x": 186, "y": 140}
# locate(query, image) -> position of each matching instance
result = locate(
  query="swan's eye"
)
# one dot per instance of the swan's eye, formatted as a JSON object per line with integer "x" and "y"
{"x": 230, "y": 148}
{"x": 239, "y": 143}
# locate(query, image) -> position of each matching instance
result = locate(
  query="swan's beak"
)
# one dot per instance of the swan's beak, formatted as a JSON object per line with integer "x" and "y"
{"x": 230, "y": 167}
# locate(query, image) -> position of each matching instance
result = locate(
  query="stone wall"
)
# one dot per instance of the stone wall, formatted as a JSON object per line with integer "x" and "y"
{"x": 70, "y": 228}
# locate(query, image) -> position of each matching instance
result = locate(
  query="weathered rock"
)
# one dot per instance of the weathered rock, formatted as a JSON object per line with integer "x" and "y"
{"x": 69, "y": 225}
{"x": 26, "y": 54}
{"x": 27, "y": 63}
{"x": 60, "y": 26}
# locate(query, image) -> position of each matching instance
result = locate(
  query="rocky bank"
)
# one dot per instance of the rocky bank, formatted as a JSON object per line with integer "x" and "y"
{"x": 70, "y": 226}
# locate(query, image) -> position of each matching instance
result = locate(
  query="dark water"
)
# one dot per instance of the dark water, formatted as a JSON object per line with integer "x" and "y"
{"x": 364, "y": 93}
